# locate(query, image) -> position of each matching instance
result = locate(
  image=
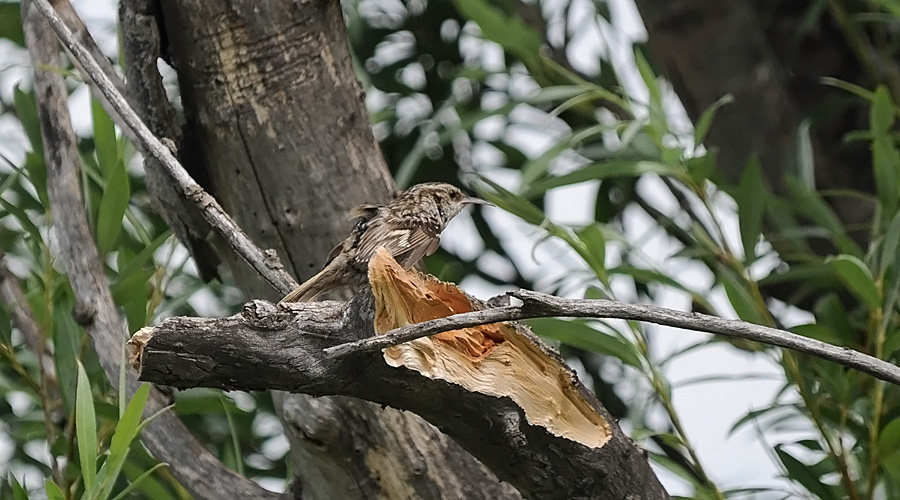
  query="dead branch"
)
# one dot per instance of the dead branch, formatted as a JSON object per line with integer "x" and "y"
{"x": 264, "y": 262}
{"x": 167, "y": 437}
{"x": 540, "y": 305}
{"x": 497, "y": 389}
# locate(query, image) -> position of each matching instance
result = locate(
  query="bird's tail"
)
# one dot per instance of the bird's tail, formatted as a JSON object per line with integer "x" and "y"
{"x": 325, "y": 280}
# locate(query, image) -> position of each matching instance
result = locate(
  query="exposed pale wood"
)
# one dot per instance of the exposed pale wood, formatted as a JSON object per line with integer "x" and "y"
{"x": 494, "y": 359}
{"x": 272, "y": 103}
{"x": 544, "y": 432}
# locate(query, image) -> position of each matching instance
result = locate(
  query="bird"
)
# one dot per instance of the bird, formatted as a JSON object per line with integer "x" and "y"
{"x": 409, "y": 228}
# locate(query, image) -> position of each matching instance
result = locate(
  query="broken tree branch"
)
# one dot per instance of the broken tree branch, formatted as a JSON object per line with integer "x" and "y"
{"x": 540, "y": 305}
{"x": 498, "y": 390}
{"x": 264, "y": 262}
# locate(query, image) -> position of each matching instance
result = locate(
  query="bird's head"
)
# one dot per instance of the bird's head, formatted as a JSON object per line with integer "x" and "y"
{"x": 443, "y": 200}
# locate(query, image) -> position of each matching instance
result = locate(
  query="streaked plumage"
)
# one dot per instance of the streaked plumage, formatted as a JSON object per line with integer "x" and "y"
{"x": 409, "y": 228}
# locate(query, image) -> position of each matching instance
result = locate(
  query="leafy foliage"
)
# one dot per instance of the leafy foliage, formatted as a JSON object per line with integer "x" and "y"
{"x": 490, "y": 94}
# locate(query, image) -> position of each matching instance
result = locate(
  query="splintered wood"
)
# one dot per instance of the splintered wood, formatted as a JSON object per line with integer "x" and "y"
{"x": 490, "y": 359}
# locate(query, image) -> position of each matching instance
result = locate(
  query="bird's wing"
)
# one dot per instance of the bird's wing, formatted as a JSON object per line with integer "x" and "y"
{"x": 406, "y": 242}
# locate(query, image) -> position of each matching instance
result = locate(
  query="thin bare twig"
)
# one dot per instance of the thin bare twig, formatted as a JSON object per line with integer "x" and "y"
{"x": 266, "y": 263}
{"x": 540, "y": 305}
{"x": 13, "y": 297}
{"x": 167, "y": 437}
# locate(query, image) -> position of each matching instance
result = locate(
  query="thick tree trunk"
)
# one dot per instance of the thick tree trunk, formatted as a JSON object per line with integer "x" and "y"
{"x": 274, "y": 111}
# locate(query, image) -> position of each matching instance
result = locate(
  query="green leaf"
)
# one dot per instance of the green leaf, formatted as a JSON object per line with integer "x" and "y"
{"x": 235, "y": 436}
{"x": 107, "y": 476}
{"x": 706, "y": 118}
{"x": 86, "y": 431}
{"x": 131, "y": 292}
{"x": 806, "y": 161}
{"x": 107, "y": 148}
{"x": 702, "y": 167}
{"x": 23, "y": 219}
{"x": 11, "y": 23}
{"x": 26, "y": 111}
{"x": 53, "y": 491}
{"x": 810, "y": 204}
{"x": 889, "y": 439}
{"x": 594, "y": 251}
{"x": 658, "y": 124}
{"x": 126, "y": 429}
{"x": 510, "y": 202}
{"x": 751, "y": 200}
{"x": 741, "y": 299}
{"x": 885, "y": 157}
{"x": 818, "y": 332}
{"x": 509, "y": 31}
{"x": 66, "y": 345}
{"x": 18, "y": 492}
{"x": 882, "y": 114}
{"x": 599, "y": 171}
{"x": 112, "y": 208}
{"x": 856, "y": 276}
{"x": 134, "y": 484}
{"x": 579, "y": 334}
{"x": 890, "y": 244}
{"x": 37, "y": 174}
{"x": 151, "y": 487}
{"x": 536, "y": 168}
{"x": 144, "y": 255}
{"x": 803, "y": 474}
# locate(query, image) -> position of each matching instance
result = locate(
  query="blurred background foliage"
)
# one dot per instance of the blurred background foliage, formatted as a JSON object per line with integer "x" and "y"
{"x": 623, "y": 171}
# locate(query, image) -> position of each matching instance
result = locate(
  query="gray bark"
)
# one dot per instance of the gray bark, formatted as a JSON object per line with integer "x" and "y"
{"x": 274, "y": 109}
{"x": 283, "y": 347}
{"x": 166, "y": 437}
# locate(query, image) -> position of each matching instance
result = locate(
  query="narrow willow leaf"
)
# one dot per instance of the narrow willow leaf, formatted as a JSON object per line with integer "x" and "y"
{"x": 26, "y": 112}
{"x": 137, "y": 482}
{"x": 751, "y": 200}
{"x": 600, "y": 171}
{"x": 890, "y": 244}
{"x": 126, "y": 429}
{"x": 53, "y": 491}
{"x": 594, "y": 250}
{"x": 889, "y": 439}
{"x": 707, "y": 117}
{"x": 105, "y": 144}
{"x": 511, "y": 202}
{"x": 86, "y": 431}
{"x": 885, "y": 157}
{"x": 803, "y": 474}
{"x": 579, "y": 334}
{"x": 510, "y": 32}
{"x": 856, "y": 276}
{"x": 112, "y": 208}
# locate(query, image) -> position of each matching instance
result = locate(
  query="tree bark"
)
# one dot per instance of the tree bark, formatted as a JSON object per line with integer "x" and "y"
{"x": 166, "y": 437}
{"x": 274, "y": 112}
{"x": 496, "y": 388}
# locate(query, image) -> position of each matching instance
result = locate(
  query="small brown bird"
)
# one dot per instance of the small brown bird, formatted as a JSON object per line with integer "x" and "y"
{"x": 409, "y": 228}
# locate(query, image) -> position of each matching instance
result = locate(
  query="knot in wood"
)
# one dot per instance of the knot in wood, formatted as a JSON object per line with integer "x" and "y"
{"x": 83, "y": 313}
{"x": 262, "y": 315}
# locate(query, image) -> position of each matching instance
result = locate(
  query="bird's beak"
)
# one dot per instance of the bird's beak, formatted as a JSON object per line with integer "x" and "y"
{"x": 476, "y": 201}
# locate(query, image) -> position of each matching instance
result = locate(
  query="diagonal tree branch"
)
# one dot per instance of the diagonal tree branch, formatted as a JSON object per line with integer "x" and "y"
{"x": 264, "y": 262}
{"x": 540, "y": 305}
{"x": 95, "y": 310}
